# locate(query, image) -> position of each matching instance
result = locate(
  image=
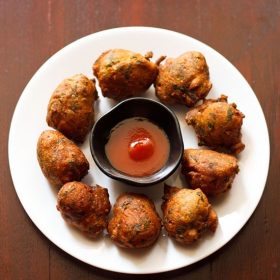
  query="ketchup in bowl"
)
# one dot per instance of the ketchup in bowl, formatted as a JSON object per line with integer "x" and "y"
{"x": 137, "y": 147}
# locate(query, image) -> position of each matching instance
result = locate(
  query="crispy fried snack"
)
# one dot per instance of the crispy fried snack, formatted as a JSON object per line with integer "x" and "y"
{"x": 122, "y": 73}
{"x": 60, "y": 159}
{"x": 187, "y": 214}
{"x": 70, "y": 108}
{"x": 217, "y": 124}
{"x": 135, "y": 222}
{"x": 208, "y": 170}
{"x": 183, "y": 80}
{"x": 84, "y": 207}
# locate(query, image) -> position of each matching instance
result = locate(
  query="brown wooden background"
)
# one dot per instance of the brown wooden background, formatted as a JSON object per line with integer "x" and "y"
{"x": 246, "y": 32}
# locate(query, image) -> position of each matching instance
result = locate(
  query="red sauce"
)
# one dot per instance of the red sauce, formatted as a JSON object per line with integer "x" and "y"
{"x": 141, "y": 145}
{"x": 137, "y": 147}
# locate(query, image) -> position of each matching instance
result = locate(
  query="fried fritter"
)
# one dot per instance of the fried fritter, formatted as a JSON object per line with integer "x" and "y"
{"x": 208, "y": 170}
{"x": 217, "y": 124}
{"x": 70, "y": 108}
{"x": 122, "y": 73}
{"x": 84, "y": 207}
{"x": 183, "y": 80}
{"x": 135, "y": 222}
{"x": 60, "y": 159}
{"x": 187, "y": 214}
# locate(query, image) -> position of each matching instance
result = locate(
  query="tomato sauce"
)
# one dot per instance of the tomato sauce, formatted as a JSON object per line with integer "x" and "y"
{"x": 137, "y": 147}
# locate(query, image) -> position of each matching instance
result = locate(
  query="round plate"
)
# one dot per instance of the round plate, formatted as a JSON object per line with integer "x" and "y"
{"x": 39, "y": 198}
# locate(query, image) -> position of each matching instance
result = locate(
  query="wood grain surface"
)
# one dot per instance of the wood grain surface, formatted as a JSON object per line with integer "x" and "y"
{"x": 246, "y": 32}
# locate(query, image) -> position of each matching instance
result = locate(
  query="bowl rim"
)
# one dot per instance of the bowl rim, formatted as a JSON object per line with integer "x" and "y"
{"x": 123, "y": 177}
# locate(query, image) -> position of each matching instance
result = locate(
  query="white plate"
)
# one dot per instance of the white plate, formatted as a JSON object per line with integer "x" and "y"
{"x": 39, "y": 198}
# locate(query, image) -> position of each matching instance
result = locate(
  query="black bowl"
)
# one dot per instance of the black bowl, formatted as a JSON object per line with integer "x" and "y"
{"x": 137, "y": 107}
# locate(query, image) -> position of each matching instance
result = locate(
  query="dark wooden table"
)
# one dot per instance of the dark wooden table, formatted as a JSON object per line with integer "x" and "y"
{"x": 246, "y": 32}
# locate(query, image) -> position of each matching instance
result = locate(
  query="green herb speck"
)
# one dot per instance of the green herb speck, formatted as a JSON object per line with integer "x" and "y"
{"x": 180, "y": 229}
{"x": 137, "y": 227}
{"x": 210, "y": 125}
{"x": 229, "y": 114}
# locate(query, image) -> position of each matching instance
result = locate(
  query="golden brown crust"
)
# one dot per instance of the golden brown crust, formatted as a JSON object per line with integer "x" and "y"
{"x": 217, "y": 124}
{"x": 187, "y": 214}
{"x": 183, "y": 80}
{"x": 60, "y": 159}
{"x": 135, "y": 222}
{"x": 208, "y": 170}
{"x": 84, "y": 207}
{"x": 122, "y": 73}
{"x": 70, "y": 108}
